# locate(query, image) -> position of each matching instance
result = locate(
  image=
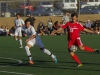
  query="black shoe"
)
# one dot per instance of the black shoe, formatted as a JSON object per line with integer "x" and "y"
{"x": 96, "y": 51}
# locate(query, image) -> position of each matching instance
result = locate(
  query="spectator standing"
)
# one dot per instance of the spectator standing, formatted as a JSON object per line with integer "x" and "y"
{"x": 65, "y": 19}
{"x": 61, "y": 24}
{"x": 32, "y": 20}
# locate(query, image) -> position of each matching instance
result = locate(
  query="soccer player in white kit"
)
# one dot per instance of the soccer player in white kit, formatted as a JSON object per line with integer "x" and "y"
{"x": 34, "y": 39}
{"x": 18, "y": 26}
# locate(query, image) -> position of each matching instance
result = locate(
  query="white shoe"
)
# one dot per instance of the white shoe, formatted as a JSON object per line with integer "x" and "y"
{"x": 21, "y": 47}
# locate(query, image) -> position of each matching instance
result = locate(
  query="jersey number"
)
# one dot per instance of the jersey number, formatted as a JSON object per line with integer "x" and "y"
{"x": 71, "y": 29}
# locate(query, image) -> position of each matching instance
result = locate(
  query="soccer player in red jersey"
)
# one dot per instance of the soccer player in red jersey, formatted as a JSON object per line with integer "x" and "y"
{"x": 74, "y": 28}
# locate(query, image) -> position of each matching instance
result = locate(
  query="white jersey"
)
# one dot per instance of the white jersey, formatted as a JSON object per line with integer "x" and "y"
{"x": 30, "y": 32}
{"x": 18, "y": 22}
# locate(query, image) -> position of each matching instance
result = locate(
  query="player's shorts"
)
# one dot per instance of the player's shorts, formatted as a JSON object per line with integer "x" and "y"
{"x": 76, "y": 42}
{"x": 36, "y": 41}
{"x": 18, "y": 32}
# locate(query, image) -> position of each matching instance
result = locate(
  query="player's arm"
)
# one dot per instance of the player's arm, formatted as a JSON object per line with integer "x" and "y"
{"x": 24, "y": 34}
{"x": 63, "y": 27}
{"x": 32, "y": 37}
{"x": 14, "y": 24}
{"x": 91, "y": 31}
{"x": 23, "y": 24}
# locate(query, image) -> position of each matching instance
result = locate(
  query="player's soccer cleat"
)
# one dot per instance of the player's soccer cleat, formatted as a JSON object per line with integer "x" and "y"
{"x": 31, "y": 62}
{"x": 55, "y": 60}
{"x": 21, "y": 47}
{"x": 79, "y": 65}
{"x": 96, "y": 51}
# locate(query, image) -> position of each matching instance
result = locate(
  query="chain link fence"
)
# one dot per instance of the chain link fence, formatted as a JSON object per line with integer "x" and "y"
{"x": 9, "y": 8}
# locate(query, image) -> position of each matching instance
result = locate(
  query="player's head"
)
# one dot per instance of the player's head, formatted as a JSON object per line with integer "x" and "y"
{"x": 27, "y": 23}
{"x": 18, "y": 15}
{"x": 74, "y": 16}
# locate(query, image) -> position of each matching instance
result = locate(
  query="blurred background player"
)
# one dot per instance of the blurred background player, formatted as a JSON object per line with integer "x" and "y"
{"x": 74, "y": 29}
{"x": 18, "y": 26}
{"x": 33, "y": 38}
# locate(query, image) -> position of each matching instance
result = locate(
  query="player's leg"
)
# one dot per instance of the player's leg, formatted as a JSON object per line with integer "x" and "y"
{"x": 73, "y": 55}
{"x": 20, "y": 41}
{"x": 20, "y": 38}
{"x": 41, "y": 46}
{"x": 75, "y": 58}
{"x": 85, "y": 48}
{"x": 49, "y": 53}
{"x": 27, "y": 47}
{"x": 15, "y": 35}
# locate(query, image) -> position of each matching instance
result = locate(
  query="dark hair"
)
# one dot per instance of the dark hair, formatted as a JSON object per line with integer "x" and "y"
{"x": 17, "y": 14}
{"x": 74, "y": 14}
{"x": 27, "y": 20}
{"x": 56, "y": 23}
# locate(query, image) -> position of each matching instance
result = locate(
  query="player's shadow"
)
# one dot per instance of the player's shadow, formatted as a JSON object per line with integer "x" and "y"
{"x": 41, "y": 65}
{"x": 13, "y": 64}
{"x": 68, "y": 68}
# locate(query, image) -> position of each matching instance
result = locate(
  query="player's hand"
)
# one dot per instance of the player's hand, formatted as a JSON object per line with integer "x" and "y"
{"x": 19, "y": 25}
{"x": 25, "y": 35}
{"x": 27, "y": 40}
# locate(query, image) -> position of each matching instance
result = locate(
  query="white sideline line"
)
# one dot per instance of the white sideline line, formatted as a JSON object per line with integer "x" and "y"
{"x": 19, "y": 61}
{"x": 3, "y": 66}
{"x": 15, "y": 73}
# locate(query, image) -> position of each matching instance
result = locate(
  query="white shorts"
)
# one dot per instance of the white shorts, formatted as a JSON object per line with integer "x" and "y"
{"x": 36, "y": 41}
{"x": 18, "y": 32}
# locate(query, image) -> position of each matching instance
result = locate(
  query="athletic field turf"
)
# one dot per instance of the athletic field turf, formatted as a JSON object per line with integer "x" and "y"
{"x": 11, "y": 55}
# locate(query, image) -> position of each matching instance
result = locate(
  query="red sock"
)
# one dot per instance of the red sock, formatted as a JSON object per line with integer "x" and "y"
{"x": 75, "y": 58}
{"x": 88, "y": 49}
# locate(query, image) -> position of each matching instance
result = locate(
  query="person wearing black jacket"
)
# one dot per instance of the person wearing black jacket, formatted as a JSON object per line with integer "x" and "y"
{"x": 32, "y": 20}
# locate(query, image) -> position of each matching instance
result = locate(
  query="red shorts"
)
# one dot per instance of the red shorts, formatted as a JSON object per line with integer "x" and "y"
{"x": 76, "y": 42}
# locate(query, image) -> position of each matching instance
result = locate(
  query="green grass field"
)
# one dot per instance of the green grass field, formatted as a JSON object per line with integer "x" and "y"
{"x": 10, "y": 54}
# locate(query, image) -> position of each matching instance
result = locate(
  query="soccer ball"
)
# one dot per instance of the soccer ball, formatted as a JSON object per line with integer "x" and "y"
{"x": 73, "y": 48}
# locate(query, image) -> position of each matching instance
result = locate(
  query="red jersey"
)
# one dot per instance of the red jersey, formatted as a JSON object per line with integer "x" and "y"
{"x": 73, "y": 30}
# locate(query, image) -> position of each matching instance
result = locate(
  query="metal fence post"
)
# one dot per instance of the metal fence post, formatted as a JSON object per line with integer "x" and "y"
{"x": 0, "y": 8}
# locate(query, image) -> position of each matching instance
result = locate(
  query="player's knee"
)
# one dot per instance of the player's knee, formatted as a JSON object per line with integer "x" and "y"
{"x": 81, "y": 48}
{"x": 19, "y": 39}
{"x": 15, "y": 38}
{"x": 42, "y": 49}
{"x": 71, "y": 53}
{"x": 26, "y": 47}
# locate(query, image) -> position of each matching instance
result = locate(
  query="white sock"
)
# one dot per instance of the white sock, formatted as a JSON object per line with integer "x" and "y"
{"x": 48, "y": 53}
{"x": 20, "y": 41}
{"x": 28, "y": 52}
